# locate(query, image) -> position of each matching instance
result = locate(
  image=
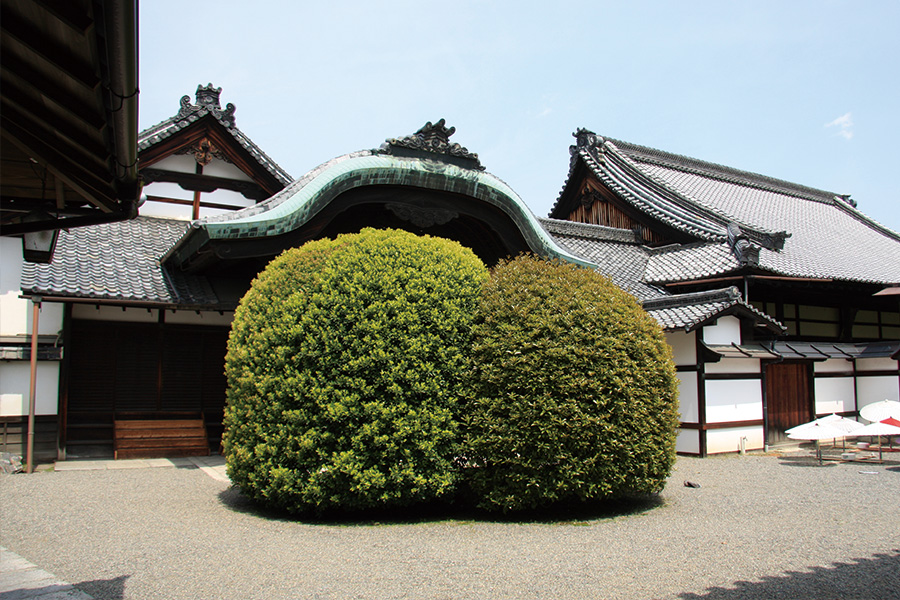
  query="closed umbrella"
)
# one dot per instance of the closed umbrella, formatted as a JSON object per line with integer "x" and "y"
{"x": 815, "y": 431}
{"x": 876, "y": 429}
{"x": 878, "y": 411}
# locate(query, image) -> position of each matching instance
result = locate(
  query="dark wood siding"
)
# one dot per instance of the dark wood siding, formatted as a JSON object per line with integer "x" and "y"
{"x": 142, "y": 368}
{"x": 788, "y": 398}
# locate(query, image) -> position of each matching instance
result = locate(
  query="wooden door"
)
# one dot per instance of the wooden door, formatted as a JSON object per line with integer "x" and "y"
{"x": 788, "y": 398}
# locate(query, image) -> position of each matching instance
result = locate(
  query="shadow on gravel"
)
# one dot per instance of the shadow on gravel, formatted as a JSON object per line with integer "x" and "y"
{"x": 102, "y": 589}
{"x": 563, "y": 514}
{"x": 864, "y": 578}
{"x": 805, "y": 461}
{"x": 105, "y": 589}
{"x": 812, "y": 461}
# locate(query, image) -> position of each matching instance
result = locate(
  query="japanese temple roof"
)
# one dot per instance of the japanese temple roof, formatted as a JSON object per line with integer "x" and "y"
{"x": 119, "y": 263}
{"x": 618, "y": 253}
{"x": 761, "y": 222}
{"x": 208, "y": 105}
{"x": 425, "y": 161}
{"x": 688, "y": 312}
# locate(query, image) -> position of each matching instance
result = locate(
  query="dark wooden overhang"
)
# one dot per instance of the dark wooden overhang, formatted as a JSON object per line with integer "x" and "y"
{"x": 68, "y": 113}
{"x": 209, "y": 128}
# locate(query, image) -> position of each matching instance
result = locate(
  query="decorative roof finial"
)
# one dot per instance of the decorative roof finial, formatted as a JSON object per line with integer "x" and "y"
{"x": 434, "y": 139}
{"x": 207, "y": 102}
{"x": 208, "y": 96}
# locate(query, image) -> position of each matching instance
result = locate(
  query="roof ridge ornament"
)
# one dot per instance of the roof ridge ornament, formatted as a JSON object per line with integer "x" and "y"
{"x": 433, "y": 138}
{"x": 746, "y": 251}
{"x": 207, "y": 100}
{"x": 590, "y": 142}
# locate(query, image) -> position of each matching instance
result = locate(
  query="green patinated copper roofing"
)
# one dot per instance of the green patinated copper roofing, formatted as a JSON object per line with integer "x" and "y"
{"x": 298, "y": 203}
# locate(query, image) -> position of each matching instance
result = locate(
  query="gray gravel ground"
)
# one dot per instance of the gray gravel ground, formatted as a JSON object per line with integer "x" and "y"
{"x": 758, "y": 527}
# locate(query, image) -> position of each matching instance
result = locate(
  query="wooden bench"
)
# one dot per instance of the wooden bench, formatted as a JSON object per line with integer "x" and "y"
{"x": 159, "y": 438}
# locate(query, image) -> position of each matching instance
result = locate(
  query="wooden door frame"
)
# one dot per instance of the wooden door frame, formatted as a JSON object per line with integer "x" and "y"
{"x": 811, "y": 390}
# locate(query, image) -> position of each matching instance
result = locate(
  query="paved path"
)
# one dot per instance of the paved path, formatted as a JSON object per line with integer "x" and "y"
{"x": 757, "y": 527}
{"x": 21, "y": 580}
{"x": 214, "y": 465}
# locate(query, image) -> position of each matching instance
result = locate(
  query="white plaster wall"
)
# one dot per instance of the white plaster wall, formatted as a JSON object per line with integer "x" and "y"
{"x": 688, "y": 441}
{"x": 833, "y": 365}
{"x": 220, "y": 168}
{"x": 729, "y": 440}
{"x": 15, "y": 388}
{"x": 834, "y": 395}
{"x": 733, "y": 400}
{"x": 684, "y": 347}
{"x": 94, "y": 312}
{"x": 726, "y": 330}
{"x": 688, "y": 403}
{"x": 876, "y": 364}
{"x": 734, "y": 365}
{"x": 875, "y": 389}
{"x": 15, "y": 312}
{"x": 179, "y": 163}
{"x": 190, "y": 317}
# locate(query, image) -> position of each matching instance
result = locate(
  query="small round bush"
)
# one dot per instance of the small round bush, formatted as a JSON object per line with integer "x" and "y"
{"x": 344, "y": 369}
{"x": 575, "y": 393}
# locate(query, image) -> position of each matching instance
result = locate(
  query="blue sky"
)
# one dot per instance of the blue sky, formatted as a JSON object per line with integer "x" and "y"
{"x": 801, "y": 90}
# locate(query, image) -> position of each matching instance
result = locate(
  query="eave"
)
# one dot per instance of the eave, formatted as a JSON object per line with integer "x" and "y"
{"x": 68, "y": 113}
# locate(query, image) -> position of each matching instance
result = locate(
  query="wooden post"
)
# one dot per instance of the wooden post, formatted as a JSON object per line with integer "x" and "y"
{"x": 32, "y": 395}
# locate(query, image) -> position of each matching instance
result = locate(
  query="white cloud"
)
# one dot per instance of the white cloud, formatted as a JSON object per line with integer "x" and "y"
{"x": 844, "y": 123}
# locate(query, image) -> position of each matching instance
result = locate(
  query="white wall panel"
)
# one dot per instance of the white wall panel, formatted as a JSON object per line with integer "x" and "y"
{"x": 729, "y": 440}
{"x": 684, "y": 347}
{"x": 834, "y": 395}
{"x": 15, "y": 388}
{"x": 220, "y": 168}
{"x": 876, "y": 364}
{"x": 688, "y": 441}
{"x": 733, "y": 400}
{"x": 688, "y": 402}
{"x": 727, "y": 330}
{"x": 15, "y": 312}
{"x": 734, "y": 365}
{"x": 833, "y": 365}
{"x": 875, "y": 389}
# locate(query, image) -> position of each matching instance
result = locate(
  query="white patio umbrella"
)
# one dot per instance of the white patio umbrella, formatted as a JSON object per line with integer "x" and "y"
{"x": 815, "y": 431}
{"x": 875, "y": 429}
{"x": 842, "y": 423}
{"x": 879, "y": 411}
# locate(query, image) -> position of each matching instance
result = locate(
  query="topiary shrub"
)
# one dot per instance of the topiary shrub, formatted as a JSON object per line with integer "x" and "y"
{"x": 344, "y": 370}
{"x": 574, "y": 390}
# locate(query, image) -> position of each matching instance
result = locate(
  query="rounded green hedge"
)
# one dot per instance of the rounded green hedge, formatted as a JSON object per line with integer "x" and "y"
{"x": 344, "y": 372}
{"x": 575, "y": 393}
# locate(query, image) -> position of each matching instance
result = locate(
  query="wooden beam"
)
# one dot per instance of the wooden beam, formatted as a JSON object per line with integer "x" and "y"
{"x": 62, "y": 58}
{"x": 16, "y": 71}
{"x": 66, "y": 163}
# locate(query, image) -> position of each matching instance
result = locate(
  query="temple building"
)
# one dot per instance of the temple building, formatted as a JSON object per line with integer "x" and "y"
{"x": 780, "y": 302}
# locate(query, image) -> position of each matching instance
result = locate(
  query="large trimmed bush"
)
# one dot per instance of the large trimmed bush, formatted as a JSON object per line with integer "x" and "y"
{"x": 344, "y": 371}
{"x": 574, "y": 390}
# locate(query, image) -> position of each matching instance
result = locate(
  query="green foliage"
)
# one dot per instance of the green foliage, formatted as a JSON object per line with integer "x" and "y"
{"x": 344, "y": 371}
{"x": 575, "y": 393}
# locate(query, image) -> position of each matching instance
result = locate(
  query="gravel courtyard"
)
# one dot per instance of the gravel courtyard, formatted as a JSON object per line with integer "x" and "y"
{"x": 757, "y": 527}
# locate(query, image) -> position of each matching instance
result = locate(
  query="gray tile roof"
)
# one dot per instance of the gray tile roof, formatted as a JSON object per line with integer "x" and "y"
{"x": 119, "y": 262}
{"x": 690, "y": 311}
{"x": 618, "y": 253}
{"x": 209, "y": 105}
{"x": 688, "y": 262}
{"x": 798, "y": 231}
